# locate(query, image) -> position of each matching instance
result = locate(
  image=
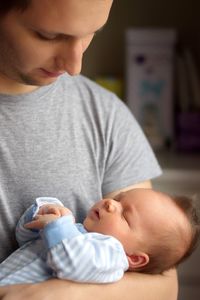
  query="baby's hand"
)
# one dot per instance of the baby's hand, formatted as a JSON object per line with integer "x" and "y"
{"x": 55, "y": 209}
{"x": 46, "y": 214}
{"x": 40, "y": 221}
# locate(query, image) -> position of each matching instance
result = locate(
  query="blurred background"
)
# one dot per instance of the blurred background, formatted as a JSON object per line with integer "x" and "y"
{"x": 149, "y": 55}
{"x": 106, "y": 54}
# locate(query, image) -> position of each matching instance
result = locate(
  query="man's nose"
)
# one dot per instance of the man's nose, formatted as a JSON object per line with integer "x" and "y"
{"x": 69, "y": 56}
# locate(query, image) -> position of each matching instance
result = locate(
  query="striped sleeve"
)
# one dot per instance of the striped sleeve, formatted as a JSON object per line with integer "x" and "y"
{"x": 90, "y": 257}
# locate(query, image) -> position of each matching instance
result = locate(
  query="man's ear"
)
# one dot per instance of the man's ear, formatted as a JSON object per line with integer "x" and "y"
{"x": 137, "y": 260}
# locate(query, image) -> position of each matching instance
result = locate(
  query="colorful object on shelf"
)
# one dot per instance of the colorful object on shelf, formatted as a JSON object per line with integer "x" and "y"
{"x": 111, "y": 83}
{"x": 149, "y": 81}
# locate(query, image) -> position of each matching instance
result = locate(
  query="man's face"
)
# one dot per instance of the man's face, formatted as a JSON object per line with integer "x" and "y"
{"x": 48, "y": 38}
{"x": 135, "y": 218}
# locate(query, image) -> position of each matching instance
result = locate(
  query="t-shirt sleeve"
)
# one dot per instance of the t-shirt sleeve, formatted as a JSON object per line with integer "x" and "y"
{"x": 130, "y": 159}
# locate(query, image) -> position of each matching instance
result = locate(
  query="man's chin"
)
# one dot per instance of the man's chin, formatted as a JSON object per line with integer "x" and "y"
{"x": 28, "y": 80}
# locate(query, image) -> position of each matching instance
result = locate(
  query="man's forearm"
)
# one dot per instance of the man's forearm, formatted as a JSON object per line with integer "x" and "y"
{"x": 134, "y": 286}
{"x": 131, "y": 287}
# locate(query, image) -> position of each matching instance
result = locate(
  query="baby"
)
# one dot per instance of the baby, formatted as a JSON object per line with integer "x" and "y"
{"x": 139, "y": 230}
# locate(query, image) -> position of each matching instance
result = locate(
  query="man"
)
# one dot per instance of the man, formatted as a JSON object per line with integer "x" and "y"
{"x": 63, "y": 136}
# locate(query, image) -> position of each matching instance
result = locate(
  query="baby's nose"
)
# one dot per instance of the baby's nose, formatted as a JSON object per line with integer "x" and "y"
{"x": 110, "y": 205}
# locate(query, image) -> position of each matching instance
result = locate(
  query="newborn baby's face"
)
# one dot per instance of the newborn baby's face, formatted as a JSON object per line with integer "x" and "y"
{"x": 114, "y": 217}
{"x": 133, "y": 217}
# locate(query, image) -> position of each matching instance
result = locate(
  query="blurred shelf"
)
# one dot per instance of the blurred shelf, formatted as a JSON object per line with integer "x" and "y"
{"x": 179, "y": 160}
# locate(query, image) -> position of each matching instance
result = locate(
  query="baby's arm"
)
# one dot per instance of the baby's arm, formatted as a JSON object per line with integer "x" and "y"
{"x": 23, "y": 234}
{"x": 89, "y": 257}
{"x": 46, "y": 214}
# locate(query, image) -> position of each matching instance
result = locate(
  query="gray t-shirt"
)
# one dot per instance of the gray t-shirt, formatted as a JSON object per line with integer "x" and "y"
{"x": 72, "y": 140}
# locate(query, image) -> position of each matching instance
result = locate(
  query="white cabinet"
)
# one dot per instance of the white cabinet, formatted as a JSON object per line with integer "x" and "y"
{"x": 181, "y": 175}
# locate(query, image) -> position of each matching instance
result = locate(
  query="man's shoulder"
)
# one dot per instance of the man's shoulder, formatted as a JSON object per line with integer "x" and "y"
{"x": 83, "y": 81}
{"x": 86, "y": 86}
{"x": 84, "y": 92}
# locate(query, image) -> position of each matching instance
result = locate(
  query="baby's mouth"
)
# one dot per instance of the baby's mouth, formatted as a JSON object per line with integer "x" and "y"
{"x": 94, "y": 214}
{"x": 96, "y": 211}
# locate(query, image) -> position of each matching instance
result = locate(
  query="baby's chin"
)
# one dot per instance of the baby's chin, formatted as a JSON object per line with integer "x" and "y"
{"x": 90, "y": 225}
{"x": 86, "y": 224}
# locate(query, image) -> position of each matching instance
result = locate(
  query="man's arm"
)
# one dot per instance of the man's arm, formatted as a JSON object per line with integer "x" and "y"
{"x": 145, "y": 184}
{"x": 134, "y": 286}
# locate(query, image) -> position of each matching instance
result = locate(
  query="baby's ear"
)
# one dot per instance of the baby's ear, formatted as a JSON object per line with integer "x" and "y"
{"x": 137, "y": 260}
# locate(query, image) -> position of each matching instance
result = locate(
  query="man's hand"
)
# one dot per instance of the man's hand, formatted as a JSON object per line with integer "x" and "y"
{"x": 46, "y": 214}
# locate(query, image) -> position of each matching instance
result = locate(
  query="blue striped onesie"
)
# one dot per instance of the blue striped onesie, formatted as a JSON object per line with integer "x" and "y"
{"x": 63, "y": 249}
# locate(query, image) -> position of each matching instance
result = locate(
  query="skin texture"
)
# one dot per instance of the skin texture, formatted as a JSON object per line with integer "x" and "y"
{"x": 48, "y": 39}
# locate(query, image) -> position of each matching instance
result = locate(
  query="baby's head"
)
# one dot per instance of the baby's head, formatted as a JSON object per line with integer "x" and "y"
{"x": 157, "y": 231}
